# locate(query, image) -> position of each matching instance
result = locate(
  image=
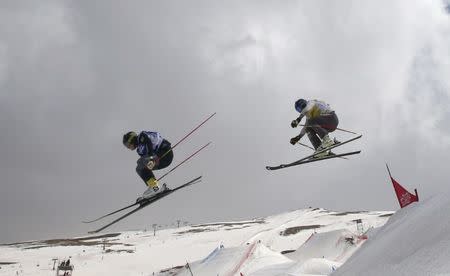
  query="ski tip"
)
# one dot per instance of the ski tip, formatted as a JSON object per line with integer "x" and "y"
{"x": 274, "y": 168}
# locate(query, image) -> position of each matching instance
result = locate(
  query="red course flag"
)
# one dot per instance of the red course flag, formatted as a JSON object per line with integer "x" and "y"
{"x": 404, "y": 197}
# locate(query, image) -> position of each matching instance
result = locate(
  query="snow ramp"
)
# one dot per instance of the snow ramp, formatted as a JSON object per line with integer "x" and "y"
{"x": 334, "y": 246}
{"x": 244, "y": 259}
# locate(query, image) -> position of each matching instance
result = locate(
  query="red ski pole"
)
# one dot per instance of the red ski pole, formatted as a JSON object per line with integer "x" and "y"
{"x": 187, "y": 135}
{"x": 183, "y": 161}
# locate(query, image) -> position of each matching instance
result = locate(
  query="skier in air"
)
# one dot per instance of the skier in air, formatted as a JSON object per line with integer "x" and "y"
{"x": 320, "y": 120}
{"x": 155, "y": 153}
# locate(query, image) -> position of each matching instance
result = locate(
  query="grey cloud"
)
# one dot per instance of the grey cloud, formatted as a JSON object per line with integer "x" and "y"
{"x": 75, "y": 76}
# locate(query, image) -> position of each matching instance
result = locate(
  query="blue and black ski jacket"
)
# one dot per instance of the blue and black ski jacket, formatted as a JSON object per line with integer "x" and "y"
{"x": 151, "y": 143}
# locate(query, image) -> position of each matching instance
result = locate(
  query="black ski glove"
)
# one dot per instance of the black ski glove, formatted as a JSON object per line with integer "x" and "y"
{"x": 294, "y": 123}
{"x": 295, "y": 139}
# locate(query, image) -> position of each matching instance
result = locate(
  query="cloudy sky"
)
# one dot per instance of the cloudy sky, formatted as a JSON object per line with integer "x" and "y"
{"x": 76, "y": 75}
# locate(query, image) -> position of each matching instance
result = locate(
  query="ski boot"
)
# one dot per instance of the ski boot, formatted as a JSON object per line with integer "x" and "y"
{"x": 326, "y": 143}
{"x": 152, "y": 190}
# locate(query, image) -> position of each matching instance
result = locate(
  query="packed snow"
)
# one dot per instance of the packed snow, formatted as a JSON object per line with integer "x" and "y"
{"x": 413, "y": 241}
{"x": 301, "y": 242}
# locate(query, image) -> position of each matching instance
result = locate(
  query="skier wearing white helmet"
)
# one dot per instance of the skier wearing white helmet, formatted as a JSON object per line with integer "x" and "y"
{"x": 320, "y": 120}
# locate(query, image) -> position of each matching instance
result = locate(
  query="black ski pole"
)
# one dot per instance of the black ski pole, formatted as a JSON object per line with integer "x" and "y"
{"x": 324, "y": 126}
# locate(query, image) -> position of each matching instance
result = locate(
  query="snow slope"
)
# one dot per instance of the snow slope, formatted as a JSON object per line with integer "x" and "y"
{"x": 415, "y": 241}
{"x": 335, "y": 245}
{"x": 259, "y": 247}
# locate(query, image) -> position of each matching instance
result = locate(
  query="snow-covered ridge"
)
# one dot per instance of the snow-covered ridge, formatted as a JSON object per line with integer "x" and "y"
{"x": 299, "y": 242}
{"x": 415, "y": 241}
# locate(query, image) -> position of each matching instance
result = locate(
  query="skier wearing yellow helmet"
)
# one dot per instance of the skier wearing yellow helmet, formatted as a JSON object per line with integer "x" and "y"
{"x": 155, "y": 153}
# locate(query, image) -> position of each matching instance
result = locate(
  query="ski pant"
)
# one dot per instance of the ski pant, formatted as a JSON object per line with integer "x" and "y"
{"x": 144, "y": 172}
{"x": 319, "y": 127}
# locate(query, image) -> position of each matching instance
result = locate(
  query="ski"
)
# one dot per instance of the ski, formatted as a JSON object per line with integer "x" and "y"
{"x": 112, "y": 213}
{"x": 309, "y": 147}
{"x": 311, "y": 156}
{"x": 329, "y": 156}
{"x": 144, "y": 203}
